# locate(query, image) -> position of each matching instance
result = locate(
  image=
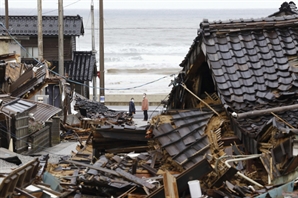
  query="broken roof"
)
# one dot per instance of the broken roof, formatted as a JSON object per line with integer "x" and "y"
{"x": 27, "y": 25}
{"x": 253, "y": 63}
{"x": 41, "y": 111}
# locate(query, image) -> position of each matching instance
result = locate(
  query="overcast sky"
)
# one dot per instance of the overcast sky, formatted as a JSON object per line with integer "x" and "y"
{"x": 149, "y": 4}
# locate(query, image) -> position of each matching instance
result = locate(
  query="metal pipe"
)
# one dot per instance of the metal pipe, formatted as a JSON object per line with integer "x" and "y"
{"x": 266, "y": 111}
{"x": 240, "y": 174}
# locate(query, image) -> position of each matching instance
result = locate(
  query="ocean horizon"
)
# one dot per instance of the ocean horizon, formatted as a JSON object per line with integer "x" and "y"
{"x": 143, "y": 48}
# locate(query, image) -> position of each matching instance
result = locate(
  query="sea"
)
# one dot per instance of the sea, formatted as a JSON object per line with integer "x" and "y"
{"x": 143, "y": 48}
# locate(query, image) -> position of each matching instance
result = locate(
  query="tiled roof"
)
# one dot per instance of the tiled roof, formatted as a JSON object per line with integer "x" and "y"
{"x": 254, "y": 65}
{"x": 186, "y": 143}
{"x": 27, "y": 25}
{"x": 82, "y": 67}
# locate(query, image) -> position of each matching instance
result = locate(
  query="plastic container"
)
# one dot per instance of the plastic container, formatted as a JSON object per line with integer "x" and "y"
{"x": 195, "y": 188}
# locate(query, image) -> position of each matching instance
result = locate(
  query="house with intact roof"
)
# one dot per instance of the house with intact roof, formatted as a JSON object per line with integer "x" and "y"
{"x": 79, "y": 65}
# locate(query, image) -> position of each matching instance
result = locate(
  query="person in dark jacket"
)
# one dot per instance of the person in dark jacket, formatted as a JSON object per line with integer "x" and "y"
{"x": 132, "y": 109}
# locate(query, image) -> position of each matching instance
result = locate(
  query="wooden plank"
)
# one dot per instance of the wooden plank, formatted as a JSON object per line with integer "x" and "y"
{"x": 92, "y": 167}
{"x": 134, "y": 179}
{"x": 170, "y": 185}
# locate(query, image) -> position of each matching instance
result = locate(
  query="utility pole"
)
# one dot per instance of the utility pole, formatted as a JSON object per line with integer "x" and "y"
{"x": 6, "y": 15}
{"x": 93, "y": 53}
{"x": 61, "y": 37}
{"x": 101, "y": 57}
{"x": 40, "y": 34}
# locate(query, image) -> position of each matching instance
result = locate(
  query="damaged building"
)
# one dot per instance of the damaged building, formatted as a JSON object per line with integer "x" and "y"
{"x": 230, "y": 124}
{"x": 244, "y": 73}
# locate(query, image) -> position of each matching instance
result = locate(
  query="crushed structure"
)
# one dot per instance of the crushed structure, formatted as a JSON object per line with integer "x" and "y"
{"x": 230, "y": 123}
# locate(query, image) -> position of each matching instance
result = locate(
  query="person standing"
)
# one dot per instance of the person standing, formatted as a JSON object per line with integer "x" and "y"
{"x": 131, "y": 109}
{"x": 145, "y": 107}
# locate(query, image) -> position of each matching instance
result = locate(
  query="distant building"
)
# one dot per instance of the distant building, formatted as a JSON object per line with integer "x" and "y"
{"x": 79, "y": 65}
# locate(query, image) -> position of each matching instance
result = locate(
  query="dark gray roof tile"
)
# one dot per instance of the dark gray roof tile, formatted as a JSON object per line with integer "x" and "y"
{"x": 218, "y": 72}
{"x": 285, "y": 81}
{"x": 221, "y": 40}
{"x": 249, "y": 97}
{"x": 249, "y": 45}
{"x": 283, "y": 66}
{"x": 282, "y": 60}
{"x": 234, "y": 39}
{"x": 291, "y": 52}
{"x": 262, "y": 43}
{"x": 256, "y": 65}
{"x": 229, "y": 62}
{"x": 233, "y": 77}
{"x": 259, "y": 72}
{"x": 216, "y": 64}
{"x": 211, "y": 49}
{"x": 284, "y": 87}
{"x": 214, "y": 57}
{"x": 225, "y": 85}
{"x": 266, "y": 56}
{"x": 236, "y": 84}
{"x": 289, "y": 45}
{"x": 283, "y": 73}
{"x": 26, "y": 25}
{"x": 236, "y": 46}
{"x": 230, "y": 70}
{"x": 269, "y": 96}
{"x": 236, "y": 98}
{"x": 254, "y": 58}
{"x": 271, "y": 84}
{"x": 272, "y": 77}
{"x": 226, "y": 55}
{"x": 276, "y": 47}
{"x": 261, "y": 94}
{"x": 278, "y": 54}
{"x": 275, "y": 41}
{"x": 236, "y": 91}
{"x": 246, "y": 74}
{"x": 248, "y": 82}
{"x": 260, "y": 87}
{"x": 269, "y": 63}
{"x": 252, "y": 51}
{"x": 224, "y": 48}
{"x": 238, "y": 53}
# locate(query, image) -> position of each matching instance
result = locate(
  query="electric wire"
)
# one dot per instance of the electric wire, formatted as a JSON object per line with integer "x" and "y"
{"x": 63, "y": 7}
{"x": 75, "y": 82}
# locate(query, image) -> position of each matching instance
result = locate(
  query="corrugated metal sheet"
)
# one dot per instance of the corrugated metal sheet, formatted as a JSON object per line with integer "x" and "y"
{"x": 82, "y": 67}
{"x": 27, "y": 25}
{"x": 41, "y": 111}
{"x": 17, "y": 106}
{"x": 186, "y": 142}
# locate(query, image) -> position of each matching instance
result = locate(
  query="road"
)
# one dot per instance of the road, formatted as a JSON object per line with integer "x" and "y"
{"x": 153, "y": 111}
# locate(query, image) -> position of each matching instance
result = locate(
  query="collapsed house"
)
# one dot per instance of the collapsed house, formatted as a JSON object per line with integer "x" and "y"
{"x": 244, "y": 73}
{"x": 230, "y": 122}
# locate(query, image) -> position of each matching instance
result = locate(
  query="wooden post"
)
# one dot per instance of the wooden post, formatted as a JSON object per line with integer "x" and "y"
{"x": 101, "y": 49}
{"x": 93, "y": 53}
{"x": 40, "y": 34}
{"x": 6, "y": 15}
{"x": 170, "y": 185}
{"x": 61, "y": 37}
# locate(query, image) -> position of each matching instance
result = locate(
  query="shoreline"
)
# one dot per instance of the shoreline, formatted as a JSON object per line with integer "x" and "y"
{"x": 120, "y": 99}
